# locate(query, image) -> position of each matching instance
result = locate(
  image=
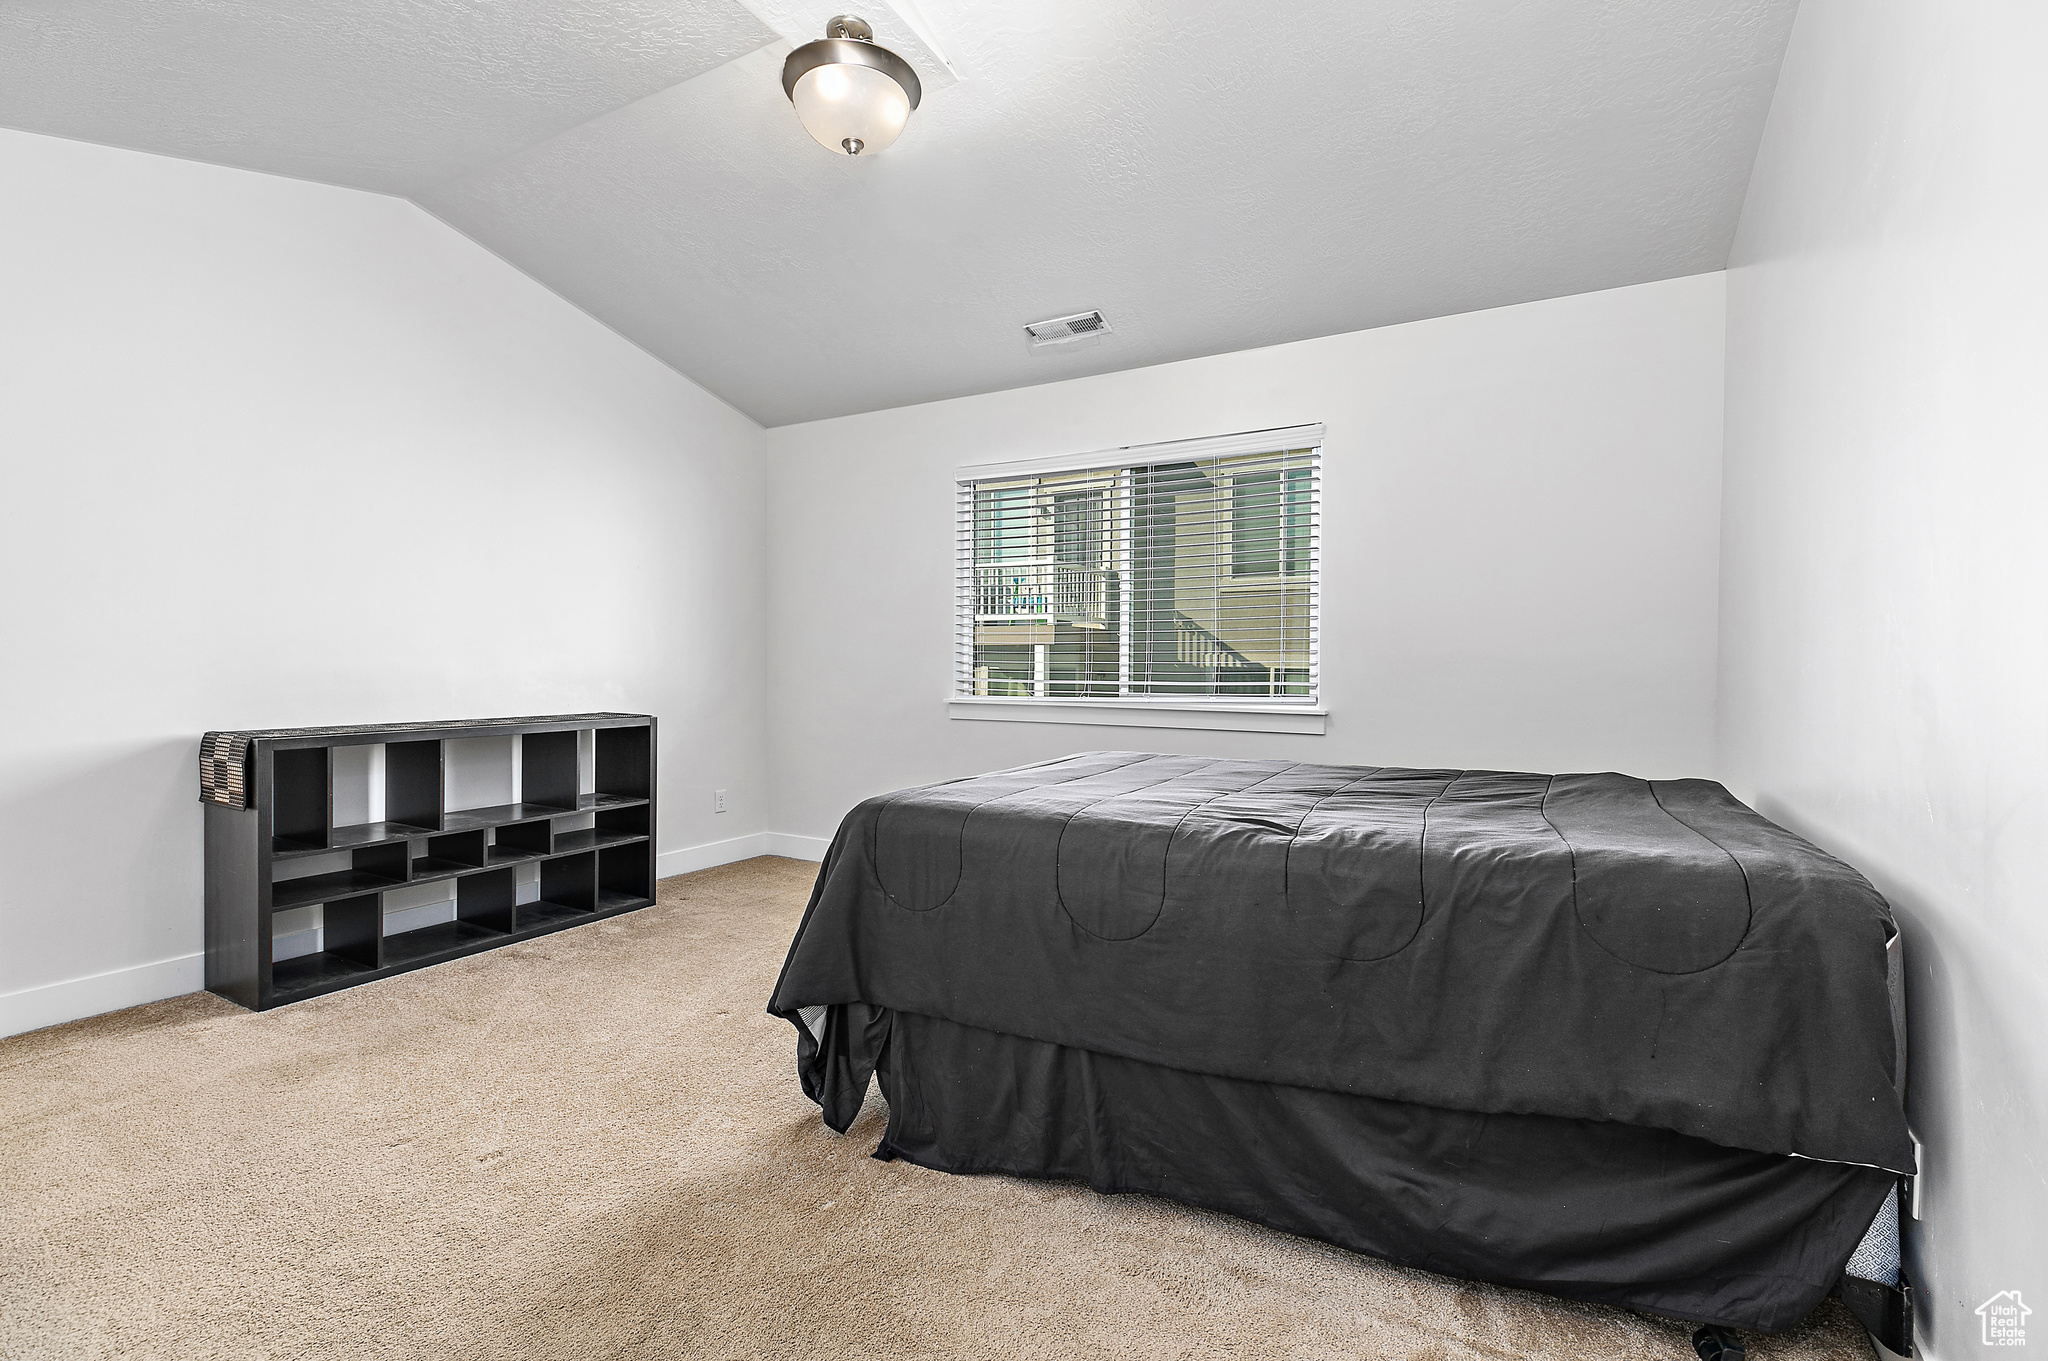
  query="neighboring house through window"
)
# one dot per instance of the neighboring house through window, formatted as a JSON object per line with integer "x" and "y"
{"x": 1183, "y": 572}
{"x": 1269, "y": 514}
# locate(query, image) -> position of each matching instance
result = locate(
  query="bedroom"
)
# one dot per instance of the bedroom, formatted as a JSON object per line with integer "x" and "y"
{"x": 1659, "y": 378}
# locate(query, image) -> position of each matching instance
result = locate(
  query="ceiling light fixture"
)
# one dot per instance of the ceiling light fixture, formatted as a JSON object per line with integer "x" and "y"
{"x": 851, "y": 95}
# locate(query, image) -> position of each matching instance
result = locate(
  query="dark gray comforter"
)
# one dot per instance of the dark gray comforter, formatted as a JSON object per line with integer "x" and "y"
{"x": 1595, "y": 947}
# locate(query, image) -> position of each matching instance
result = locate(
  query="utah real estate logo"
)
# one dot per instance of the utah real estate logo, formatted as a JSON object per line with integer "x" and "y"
{"x": 2005, "y": 1319}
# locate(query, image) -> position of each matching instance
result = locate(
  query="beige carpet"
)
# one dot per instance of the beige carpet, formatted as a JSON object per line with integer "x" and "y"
{"x": 593, "y": 1145}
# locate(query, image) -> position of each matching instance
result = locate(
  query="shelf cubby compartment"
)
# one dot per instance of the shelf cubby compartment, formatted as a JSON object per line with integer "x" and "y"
{"x": 568, "y": 892}
{"x": 451, "y": 853}
{"x": 625, "y": 763}
{"x": 615, "y": 827}
{"x": 517, "y": 842}
{"x": 625, "y": 877}
{"x": 370, "y": 868}
{"x": 412, "y": 784}
{"x": 422, "y": 944}
{"x": 547, "y": 770}
{"x": 636, "y": 821}
{"x": 483, "y": 915}
{"x": 301, "y": 800}
{"x": 485, "y": 900}
{"x": 351, "y": 935}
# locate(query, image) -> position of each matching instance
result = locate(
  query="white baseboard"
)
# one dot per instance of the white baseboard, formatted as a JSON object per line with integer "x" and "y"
{"x": 690, "y": 859}
{"x": 74, "y": 998}
{"x": 693, "y": 858}
{"x": 797, "y": 847}
{"x": 77, "y": 998}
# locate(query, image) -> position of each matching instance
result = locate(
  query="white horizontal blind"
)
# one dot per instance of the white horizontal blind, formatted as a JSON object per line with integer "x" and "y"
{"x": 1177, "y": 573}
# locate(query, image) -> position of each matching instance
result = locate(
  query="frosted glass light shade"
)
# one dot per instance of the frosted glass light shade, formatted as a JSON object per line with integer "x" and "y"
{"x": 851, "y": 95}
{"x": 853, "y": 110}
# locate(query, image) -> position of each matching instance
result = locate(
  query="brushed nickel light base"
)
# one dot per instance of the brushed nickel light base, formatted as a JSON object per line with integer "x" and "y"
{"x": 849, "y": 40}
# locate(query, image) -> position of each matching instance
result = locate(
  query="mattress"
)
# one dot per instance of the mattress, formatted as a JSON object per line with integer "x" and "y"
{"x": 1642, "y": 967}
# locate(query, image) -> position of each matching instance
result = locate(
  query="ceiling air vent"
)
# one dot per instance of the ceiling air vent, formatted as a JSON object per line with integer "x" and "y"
{"x": 1062, "y": 329}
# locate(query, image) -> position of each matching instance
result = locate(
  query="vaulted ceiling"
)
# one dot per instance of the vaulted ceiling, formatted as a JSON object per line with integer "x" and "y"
{"x": 1213, "y": 176}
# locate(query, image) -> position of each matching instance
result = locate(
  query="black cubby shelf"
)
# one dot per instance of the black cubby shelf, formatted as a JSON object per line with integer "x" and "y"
{"x": 272, "y": 845}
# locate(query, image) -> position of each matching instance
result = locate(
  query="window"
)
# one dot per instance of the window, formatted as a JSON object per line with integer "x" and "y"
{"x": 1002, "y": 523}
{"x": 1269, "y": 523}
{"x": 1182, "y": 572}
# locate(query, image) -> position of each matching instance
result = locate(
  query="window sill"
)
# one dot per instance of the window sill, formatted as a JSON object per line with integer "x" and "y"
{"x": 1294, "y": 718}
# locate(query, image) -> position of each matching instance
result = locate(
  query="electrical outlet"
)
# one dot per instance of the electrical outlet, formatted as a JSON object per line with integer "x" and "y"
{"x": 718, "y": 800}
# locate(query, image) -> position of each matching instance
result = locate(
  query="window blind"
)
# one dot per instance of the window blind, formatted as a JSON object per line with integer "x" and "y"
{"x": 1184, "y": 572}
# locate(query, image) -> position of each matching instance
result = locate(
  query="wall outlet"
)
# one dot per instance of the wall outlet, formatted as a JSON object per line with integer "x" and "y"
{"x": 718, "y": 800}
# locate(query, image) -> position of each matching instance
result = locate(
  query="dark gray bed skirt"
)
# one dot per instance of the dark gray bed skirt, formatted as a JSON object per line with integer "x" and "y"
{"x": 1617, "y": 1214}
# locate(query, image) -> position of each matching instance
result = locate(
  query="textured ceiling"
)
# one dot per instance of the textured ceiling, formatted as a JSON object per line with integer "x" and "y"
{"x": 392, "y": 95}
{"x": 1212, "y": 176}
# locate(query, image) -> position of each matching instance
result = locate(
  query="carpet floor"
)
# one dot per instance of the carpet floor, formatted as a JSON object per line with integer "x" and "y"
{"x": 592, "y": 1145}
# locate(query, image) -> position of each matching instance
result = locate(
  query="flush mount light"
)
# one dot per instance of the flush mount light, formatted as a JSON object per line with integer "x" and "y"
{"x": 851, "y": 95}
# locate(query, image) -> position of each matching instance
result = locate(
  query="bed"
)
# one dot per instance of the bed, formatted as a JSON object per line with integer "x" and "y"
{"x": 1613, "y": 1039}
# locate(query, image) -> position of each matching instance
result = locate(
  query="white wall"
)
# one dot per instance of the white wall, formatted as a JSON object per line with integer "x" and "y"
{"x": 1522, "y": 512}
{"x": 276, "y": 454}
{"x": 1885, "y": 639}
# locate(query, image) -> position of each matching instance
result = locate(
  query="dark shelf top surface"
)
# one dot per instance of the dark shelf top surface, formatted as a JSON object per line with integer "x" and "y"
{"x": 461, "y": 820}
{"x": 535, "y": 913}
{"x": 364, "y": 733}
{"x": 323, "y": 888}
{"x": 435, "y": 867}
{"x": 310, "y": 971}
{"x": 409, "y": 947}
{"x": 593, "y": 838}
{"x": 610, "y": 900}
{"x": 592, "y": 803}
{"x": 347, "y": 839}
{"x": 372, "y": 833}
{"x": 498, "y": 814}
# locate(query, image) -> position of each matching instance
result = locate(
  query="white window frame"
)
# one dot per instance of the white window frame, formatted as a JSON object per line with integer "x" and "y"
{"x": 1305, "y": 714}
